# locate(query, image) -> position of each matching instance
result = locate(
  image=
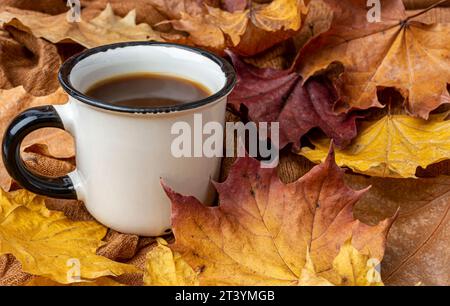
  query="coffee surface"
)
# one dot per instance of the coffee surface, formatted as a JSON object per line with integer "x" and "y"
{"x": 147, "y": 90}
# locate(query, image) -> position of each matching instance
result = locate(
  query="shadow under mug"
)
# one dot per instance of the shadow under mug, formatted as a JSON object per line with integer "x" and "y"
{"x": 122, "y": 153}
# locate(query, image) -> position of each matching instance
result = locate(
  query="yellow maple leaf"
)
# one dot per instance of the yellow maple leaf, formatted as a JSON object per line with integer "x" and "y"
{"x": 350, "y": 268}
{"x": 309, "y": 277}
{"x": 167, "y": 268}
{"x": 104, "y": 29}
{"x": 279, "y": 15}
{"x": 50, "y": 245}
{"x": 393, "y": 146}
{"x": 356, "y": 269}
{"x": 45, "y": 282}
{"x": 232, "y": 24}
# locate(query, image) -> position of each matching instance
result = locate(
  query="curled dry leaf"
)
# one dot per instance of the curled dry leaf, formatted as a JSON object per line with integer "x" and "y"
{"x": 167, "y": 268}
{"x": 393, "y": 146}
{"x": 250, "y": 31}
{"x": 397, "y": 52}
{"x": 57, "y": 143}
{"x": 174, "y": 8}
{"x": 234, "y": 5}
{"x": 104, "y": 29}
{"x": 145, "y": 11}
{"x": 263, "y": 231}
{"x": 52, "y": 7}
{"x": 418, "y": 245}
{"x": 278, "y": 96}
{"x": 24, "y": 215}
{"x": 28, "y": 61}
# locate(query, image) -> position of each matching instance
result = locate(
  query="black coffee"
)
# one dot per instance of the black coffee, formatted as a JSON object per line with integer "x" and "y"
{"x": 147, "y": 90}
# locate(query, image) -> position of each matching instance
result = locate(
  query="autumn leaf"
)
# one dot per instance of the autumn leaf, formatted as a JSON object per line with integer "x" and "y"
{"x": 393, "y": 146}
{"x": 235, "y": 5}
{"x": 104, "y": 29}
{"x": 35, "y": 235}
{"x": 45, "y": 282}
{"x": 248, "y": 31}
{"x": 418, "y": 243}
{"x": 167, "y": 268}
{"x": 355, "y": 268}
{"x": 57, "y": 143}
{"x": 263, "y": 230}
{"x": 278, "y": 96}
{"x": 145, "y": 10}
{"x": 52, "y": 7}
{"x": 397, "y": 52}
{"x": 423, "y": 4}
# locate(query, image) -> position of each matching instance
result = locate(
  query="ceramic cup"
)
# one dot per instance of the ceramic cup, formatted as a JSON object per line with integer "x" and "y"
{"x": 123, "y": 153}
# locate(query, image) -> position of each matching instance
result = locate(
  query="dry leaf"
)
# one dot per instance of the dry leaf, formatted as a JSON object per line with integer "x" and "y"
{"x": 272, "y": 95}
{"x": 250, "y": 31}
{"x": 309, "y": 277}
{"x": 422, "y": 4}
{"x": 419, "y": 240}
{"x": 52, "y": 7}
{"x": 435, "y": 15}
{"x": 355, "y": 268}
{"x": 167, "y": 268}
{"x": 104, "y": 29}
{"x": 397, "y": 52}
{"x": 262, "y": 230}
{"x": 58, "y": 143}
{"x": 45, "y": 282}
{"x": 29, "y": 62}
{"x": 145, "y": 11}
{"x": 35, "y": 235}
{"x": 318, "y": 20}
{"x": 278, "y": 15}
{"x": 235, "y": 5}
{"x": 393, "y": 146}
{"x": 173, "y": 8}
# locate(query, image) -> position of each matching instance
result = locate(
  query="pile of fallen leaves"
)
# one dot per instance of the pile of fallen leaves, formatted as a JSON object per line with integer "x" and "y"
{"x": 379, "y": 91}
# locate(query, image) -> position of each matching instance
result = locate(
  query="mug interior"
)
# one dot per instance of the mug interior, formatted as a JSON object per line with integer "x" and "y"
{"x": 79, "y": 73}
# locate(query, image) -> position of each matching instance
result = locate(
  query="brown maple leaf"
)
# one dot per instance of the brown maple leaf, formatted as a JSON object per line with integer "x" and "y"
{"x": 418, "y": 245}
{"x": 272, "y": 95}
{"x": 398, "y": 52}
{"x": 266, "y": 232}
{"x": 52, "y": 7}
{"x": 105, "y": 28}
{"x": 235, "y": 5}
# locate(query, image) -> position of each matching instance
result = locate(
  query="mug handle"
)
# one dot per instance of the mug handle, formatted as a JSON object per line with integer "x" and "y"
{"x": 25, "y": 123}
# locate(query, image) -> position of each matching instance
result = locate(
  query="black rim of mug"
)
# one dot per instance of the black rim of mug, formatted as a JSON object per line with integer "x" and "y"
{"x": 66, "y": 69}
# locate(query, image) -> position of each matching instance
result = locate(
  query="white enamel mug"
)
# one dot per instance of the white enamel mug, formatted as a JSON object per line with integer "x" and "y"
{"x": 123, "y": 153}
